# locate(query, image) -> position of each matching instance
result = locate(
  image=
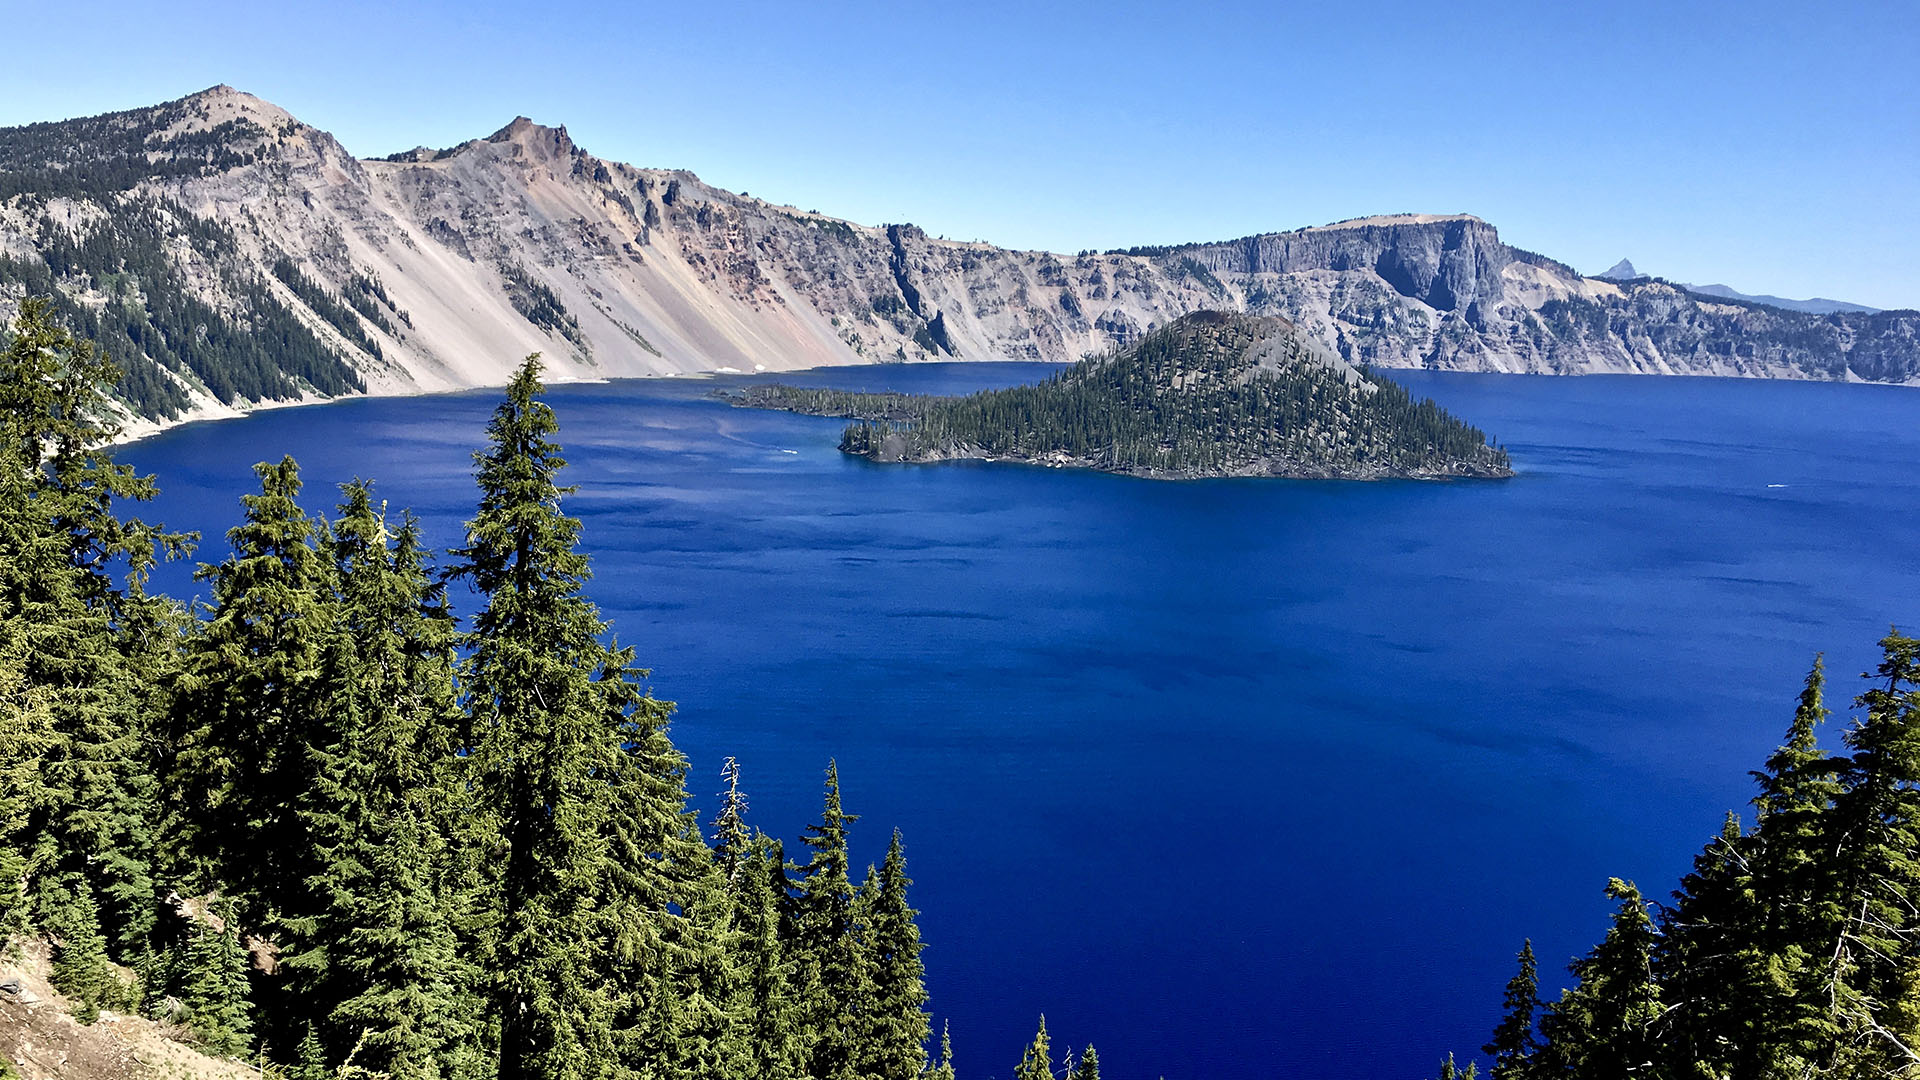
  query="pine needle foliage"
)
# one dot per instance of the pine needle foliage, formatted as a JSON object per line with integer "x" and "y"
{"x": 1792, "y": 950}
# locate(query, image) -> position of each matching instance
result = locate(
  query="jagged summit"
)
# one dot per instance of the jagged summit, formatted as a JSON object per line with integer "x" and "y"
{"x": 1620, "y": 271}
{"x": 540, "y": 140}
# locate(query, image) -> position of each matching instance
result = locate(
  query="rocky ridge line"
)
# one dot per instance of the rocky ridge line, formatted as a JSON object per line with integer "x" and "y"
{"x": 436, "y": 270}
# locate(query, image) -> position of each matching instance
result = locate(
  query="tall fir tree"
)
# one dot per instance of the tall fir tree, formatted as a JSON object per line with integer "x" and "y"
{"x": 256, "y": 700}
{"x": 1874, "y": 1003}
{"x": 377, "y": 960}
{"x": 896, "y": 1028}
{"x": 1037, "y": 1062}
{"x": 832, "y": 980}
{"x": 555, "y": 714}
{"x": 64, "y": 542}
{"x": 1712, "y": 980}
{"x": 663, "y": 902}
{"x": 1601, "y": 1028}
{"x": 1793, "y": 880}
{"x": 767, "y": 1004}
{"x": 252, "y": 705}
{"x": 1515, "y": 1040}
{"x": 214, "y": 998}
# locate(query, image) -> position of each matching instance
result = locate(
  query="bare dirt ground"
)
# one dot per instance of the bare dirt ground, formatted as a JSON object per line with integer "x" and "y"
{"x": 40, "y": 1040}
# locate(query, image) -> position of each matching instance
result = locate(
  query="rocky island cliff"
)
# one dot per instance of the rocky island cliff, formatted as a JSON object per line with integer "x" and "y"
{"x": 1212, "y": 394}
{"x": 230, "y": 256}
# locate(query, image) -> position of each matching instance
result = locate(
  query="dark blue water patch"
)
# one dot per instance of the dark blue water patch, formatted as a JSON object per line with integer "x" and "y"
{"x": 1230, "y": 778}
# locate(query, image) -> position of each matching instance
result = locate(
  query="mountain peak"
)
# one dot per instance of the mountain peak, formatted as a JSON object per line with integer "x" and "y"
{"x": 218, "y": 104}
{"x": 1620, "y": 271}
{"x": 539, "y": 138}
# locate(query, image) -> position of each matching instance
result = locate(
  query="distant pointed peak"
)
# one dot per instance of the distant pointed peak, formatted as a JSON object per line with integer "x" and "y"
{"x": 1620, "y": 271}
{"x": 515, "y": 128}
{"x": 521, "y": 127}
{"x": 539, "y": 137}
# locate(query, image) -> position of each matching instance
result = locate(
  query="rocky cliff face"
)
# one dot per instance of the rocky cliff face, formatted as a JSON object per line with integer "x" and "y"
{"x": 230, "y": 256}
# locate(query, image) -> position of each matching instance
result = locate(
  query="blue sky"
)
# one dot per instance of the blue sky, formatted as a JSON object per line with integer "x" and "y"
{"x": 1774, "y": 147}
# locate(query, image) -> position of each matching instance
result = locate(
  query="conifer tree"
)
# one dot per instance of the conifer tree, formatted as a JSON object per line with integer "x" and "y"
{"x": 1713, "y": 979}
{"x": 943, "y": 1068}
{"x": 832, "y": 980}
{"x": 748, "y": 886}
{"x": 766, "y": 1006}
{"x": 252, "y": 704}
{"x": 1792, "y": 874}
{"x": 214, "y": 997}
{"x": 80, "y": 952}
{"x": 1601, "y": 1027}
{"x": 1744, "y": 948}
{"x": 1037, "y": 1062}
{"x": 256, "y": 700}
{"x": 898, "y": 1025}
{"x": 665, "y": 910}
{"x": 547, "y": 704}
{"x": 1089, "y": 1066}
{"x": 1514, "y": 1041}
{"x": 63, "y": 540}
{"x": 377, "y": 960}
{"x": 1875, "y": 833}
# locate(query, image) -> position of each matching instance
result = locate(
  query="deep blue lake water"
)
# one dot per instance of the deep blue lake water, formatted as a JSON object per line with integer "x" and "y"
{"x": 1230, "y": 778}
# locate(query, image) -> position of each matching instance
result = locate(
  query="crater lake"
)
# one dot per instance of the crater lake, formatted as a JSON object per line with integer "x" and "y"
{"x": 1230, "y": 778}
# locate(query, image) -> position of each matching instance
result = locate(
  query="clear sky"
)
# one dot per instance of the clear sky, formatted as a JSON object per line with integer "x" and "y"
{"x": 1771, "y": 146}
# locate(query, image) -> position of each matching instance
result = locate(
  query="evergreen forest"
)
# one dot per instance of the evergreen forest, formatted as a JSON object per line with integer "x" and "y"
{"x": 320, "y": 823}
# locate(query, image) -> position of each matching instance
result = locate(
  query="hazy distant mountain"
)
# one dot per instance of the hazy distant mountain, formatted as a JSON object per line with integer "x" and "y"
{"x": 229, "y": 255}
{"x": 1818, "y": 305}
{"x": 1624, "y": 271}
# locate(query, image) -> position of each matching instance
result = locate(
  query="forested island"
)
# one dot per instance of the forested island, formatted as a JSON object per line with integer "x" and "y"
{"x": 320, "y": 824}
{"x": 1211, "y": 394}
